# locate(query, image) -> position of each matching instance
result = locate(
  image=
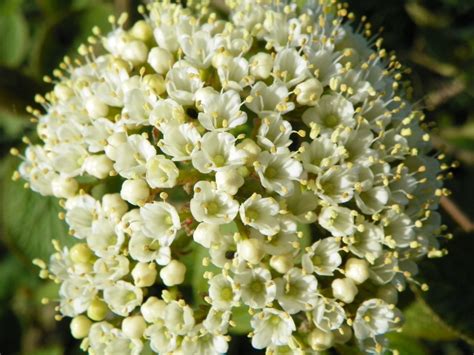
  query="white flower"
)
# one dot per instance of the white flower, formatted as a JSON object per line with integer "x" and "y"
{"x": 229, "y": 180}
{"x": 223, "y": 292}
{"x": 160, "y": 59}
{"x": 337, "y": 220}
{"x": 261, "y": 65}
{"x": 274, "y": 132}
{"x": 122, "y": 297}
{"x": 217, "y": 153}
{"x": 80, "y": 212}
{"x": 104, "y": 239}
{"x": 211, "y": 205}
{"x": 261, "y": 214}
{"x": 205, "y": 343}
{"x": 217, "y": 321}
{"x": 331, "y": 112}
{"x": 221, "y": 111}
{"x": 367, "y": 243}
{"x": 166, "y": 113}
{"x": 178, "y": 317}
{"x": 375, "y": 317}
{"x": 309, "y": 92}
{"x": 145, "y": 249}
{"x": 130, "y": 154}
{"x": 344, "y": 289}
{"x": 182, "y": 82}
{"x": 328, "y": 314}
{"x": 180, "y": 141}
{"x": 297, "y": 291}
{"x": 161, "y": 339}
{"x": 320, "y": 154}
{"x": 256, "y": 286}
{"x": 268, "y": 99}
{"x": 290, "y": 67}
{"x": 322, "y": 257}
{"x": 198, "y": 48}
{"x": 160, "y": 221}
{"x": 233, "y": 73}
{"x": 161, "y": 172}
{"x": 271, "y": 326}
{"x": 278, "y": 171}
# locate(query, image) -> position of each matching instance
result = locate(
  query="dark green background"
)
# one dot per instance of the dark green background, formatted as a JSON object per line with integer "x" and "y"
{"x": 433, "y": 37}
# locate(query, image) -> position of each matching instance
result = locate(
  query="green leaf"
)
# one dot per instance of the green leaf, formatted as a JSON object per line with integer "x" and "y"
{"x": 13, "y": 38}
{"x": 451, "y": 286}
{"x": 28, "y": 220}
{"x": 12, "y": 274}
{"x": 64, "y": 35}
{"x": 420, "y": 322}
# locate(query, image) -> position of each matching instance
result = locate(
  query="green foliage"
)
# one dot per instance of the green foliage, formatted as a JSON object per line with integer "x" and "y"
{"x": 29, "y": 220}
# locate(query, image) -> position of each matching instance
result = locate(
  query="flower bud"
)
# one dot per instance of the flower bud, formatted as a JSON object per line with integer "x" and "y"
{"x": 80, "y": 326}
{"x": 281, "y": 263}
{"x": 144, "y": 275}
{"x": 63, "y": 92}
{"x": 64, "y": 187}
{"x": 98, "y": 166}
{"x": 113, "y": 204}
{"x": 160, "y": 60}
{"x": 261, "y": 65}
{"x": 133, "y": 327}
{"x": 153, "y": 309}
{"x": 135, "y": 52}
{"x": 308, "y": 92}
{"x": 319, "y": 340}
{"x": 388, "y": 293}
{"x": 97, "y": 310}
{"x": 135, "y": 191}
{"x": 229, "y": 180}
{"x": 251, "y": 149}
{"x": 250, "y": 250}
{"x": 173, "y": 273}
{"x": 357, "y": 270}
{"x": 96, "y": 108}
{"x": 81, "y": 253}
{"x": 141, "y": 31}
{"x": 344, "y": 289}
{"x": 205, "y": 234}
{"x": 343, "y": 334}
{"x": 156, "y": 83}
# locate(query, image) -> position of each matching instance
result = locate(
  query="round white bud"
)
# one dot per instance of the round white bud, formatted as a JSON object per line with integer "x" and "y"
{"x": 63, "y": 92}
{"x": 156, "y": 83}
{"x": 308, "y": 92}
{"x": 135, "y": 191}
{"x": 98, "y": 166}
{"x": 141, "y": 31}
{"x": 281, "y": 263}
{"x": 134, "y": 327}
{"x": 153, "y": 309}
{"x": 144, "y": 275}
{"x": 357, "y": 270}
{"x": 97, "y": 310}
{"x": 251, "y": 250}
{"x": 343, "y": 334}
{"x": 96, "y": 108}
{"x": 251, "y": 149}
{"x": 135, "y": 52}
{"x": 81, "y": 253}
{"x": 344, "y": 289}
{"x": 319, "y": 340}
{"x": 388, "y": 293}
{"x": 64, "y": 187}
{"x": 113, "y": 204}
{"x": 261, "y": 65}
{"x": 80, "y": 326}
{"x": 205, "y": 234}
{"x": 173, "y": 273}
{"x": 229, "y": 181}
{"x": 160, "y": 60}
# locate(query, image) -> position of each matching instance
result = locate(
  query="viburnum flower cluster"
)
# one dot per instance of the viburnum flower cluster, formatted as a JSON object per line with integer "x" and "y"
{"x": 278, "y": 145}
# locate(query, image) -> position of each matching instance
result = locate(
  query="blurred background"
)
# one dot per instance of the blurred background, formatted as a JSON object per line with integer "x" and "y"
{"x": 433, "y": 37}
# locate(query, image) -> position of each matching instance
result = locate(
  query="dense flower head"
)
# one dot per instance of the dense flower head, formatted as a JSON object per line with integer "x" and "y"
{"x": 277, "y": 146}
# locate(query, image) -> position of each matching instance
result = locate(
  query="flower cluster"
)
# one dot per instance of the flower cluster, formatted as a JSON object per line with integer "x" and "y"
{"x": 278, "y": 147}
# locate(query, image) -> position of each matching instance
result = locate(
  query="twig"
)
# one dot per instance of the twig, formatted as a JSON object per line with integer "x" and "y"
{"x": 444, "y": 94}
{"x": 457, "y": 215}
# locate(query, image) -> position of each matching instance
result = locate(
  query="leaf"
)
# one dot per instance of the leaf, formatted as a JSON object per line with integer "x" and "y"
{"x": 64, "y": 35}
{"x": 420, "y": 322}
{"x": 451, "y": 286}
{"x": 28, "y": 220}
{"x": 13, "y": 38}
{"x": 12, "y": 274}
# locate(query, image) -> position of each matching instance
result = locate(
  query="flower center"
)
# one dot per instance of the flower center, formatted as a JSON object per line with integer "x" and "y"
{"x": 227, "y": 294}
{"x": 331, "y": 120}
{"x": 219, "y": 160}
{"x": 271, "y": 172}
